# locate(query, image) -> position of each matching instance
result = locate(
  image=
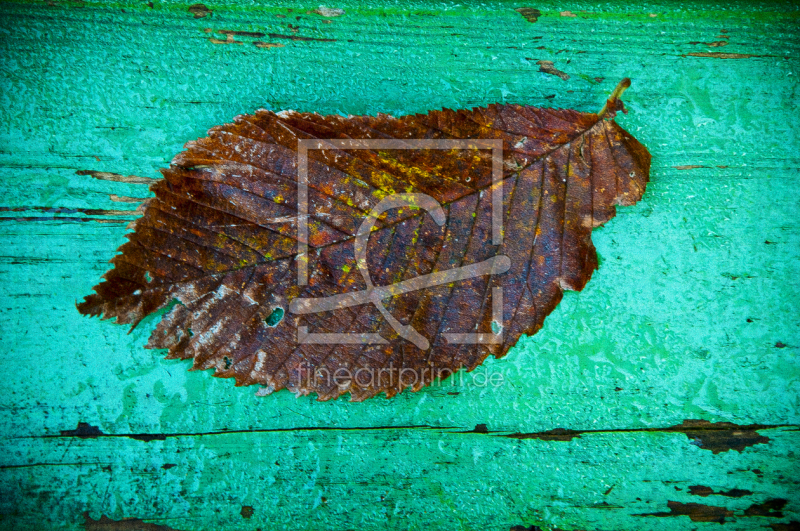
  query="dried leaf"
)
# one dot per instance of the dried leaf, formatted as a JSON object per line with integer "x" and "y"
{"x": 258, "y": 279}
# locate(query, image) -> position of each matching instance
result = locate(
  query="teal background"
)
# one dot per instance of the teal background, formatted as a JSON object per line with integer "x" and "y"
{"x": 693, "y": 313}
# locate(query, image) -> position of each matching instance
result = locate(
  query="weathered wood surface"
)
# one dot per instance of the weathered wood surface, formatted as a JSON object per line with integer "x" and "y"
{"x": 664, "y": 396}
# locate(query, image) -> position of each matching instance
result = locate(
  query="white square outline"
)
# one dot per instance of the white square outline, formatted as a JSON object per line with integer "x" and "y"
{"x": 303, "y": 145}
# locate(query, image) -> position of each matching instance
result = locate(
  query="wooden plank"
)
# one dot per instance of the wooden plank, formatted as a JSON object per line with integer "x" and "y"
{"x": 693, "y": 313}
{"x": 395, "y": 478}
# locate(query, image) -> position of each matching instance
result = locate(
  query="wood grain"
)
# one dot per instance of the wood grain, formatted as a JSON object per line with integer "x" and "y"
{"x": 692, "y": 316}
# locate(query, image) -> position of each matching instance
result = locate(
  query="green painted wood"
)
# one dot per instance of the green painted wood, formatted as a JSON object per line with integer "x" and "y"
{"x": 693, "y": 313}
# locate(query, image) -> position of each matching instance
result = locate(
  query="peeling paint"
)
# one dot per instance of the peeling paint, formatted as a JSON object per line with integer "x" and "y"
{"x": 105, "y": 523}
{"x": 770, "y": 508}
{"x": 714, "y": 436}
{"x": 720, "y": 55}
{"x": 714, "y": 44}
{"x": 530, "y": 14}
{"x": 297, "y": 38}
{"x": 66, "y": 210}
{"x": 254, "y": 34}
{"x": 228, "y": 40}
{"x": 125, "y": 199}
{"x": 793, "y": 525}
{"x": 697, "y": 512}
{"x": 703, "y": 491}
{"x": 328, "y": 11}
{"x": 199, "y": 10}
{"x": 549, "y": 68}
{"x": 116, "y": 177}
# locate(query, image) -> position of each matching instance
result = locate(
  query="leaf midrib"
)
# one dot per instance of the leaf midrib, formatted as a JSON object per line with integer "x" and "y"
{"x": 419, "y": 212}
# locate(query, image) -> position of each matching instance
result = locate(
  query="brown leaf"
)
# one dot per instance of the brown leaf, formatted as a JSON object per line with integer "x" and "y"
{"x": 225, "y": 237}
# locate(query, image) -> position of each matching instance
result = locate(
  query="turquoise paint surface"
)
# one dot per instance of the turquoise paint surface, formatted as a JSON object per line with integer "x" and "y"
{"x": 698, "y": 282}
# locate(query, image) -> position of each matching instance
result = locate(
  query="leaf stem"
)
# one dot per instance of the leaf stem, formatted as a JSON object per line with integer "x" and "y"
{"x": 625, "y": 83}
